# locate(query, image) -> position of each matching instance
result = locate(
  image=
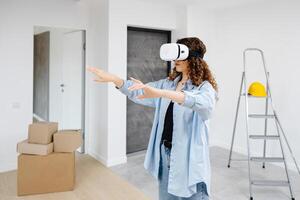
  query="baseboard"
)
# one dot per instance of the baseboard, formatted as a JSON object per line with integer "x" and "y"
{"x": 108, "y": 162}
{"x": 116, "y": 161}
{"x": 97, "y": 157}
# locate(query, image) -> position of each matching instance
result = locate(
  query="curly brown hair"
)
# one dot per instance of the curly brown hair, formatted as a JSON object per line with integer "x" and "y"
{"x": 198, "y": 69}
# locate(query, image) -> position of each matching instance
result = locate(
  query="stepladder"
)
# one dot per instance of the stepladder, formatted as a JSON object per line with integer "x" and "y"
{"x": 269, "y": 113}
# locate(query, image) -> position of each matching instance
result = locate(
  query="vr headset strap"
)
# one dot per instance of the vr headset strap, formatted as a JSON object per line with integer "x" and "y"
{"x": 195, "y": 54}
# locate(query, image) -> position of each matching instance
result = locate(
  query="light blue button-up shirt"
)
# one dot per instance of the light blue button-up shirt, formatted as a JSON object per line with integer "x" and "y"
{"x": 189, "y": 158}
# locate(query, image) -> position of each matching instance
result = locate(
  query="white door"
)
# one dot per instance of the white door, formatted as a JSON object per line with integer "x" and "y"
{"x": 72, "y": 73}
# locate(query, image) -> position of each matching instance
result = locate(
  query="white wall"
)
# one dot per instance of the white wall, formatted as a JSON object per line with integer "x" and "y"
{"x": 139, "y": 14}
{"x": 106, "y": 25}
{"x": 272, "y": 26}
{"x": 17, "y": 19}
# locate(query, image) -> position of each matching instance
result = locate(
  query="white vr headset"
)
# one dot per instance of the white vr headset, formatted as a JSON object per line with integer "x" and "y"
{"x": 175, "y": 51}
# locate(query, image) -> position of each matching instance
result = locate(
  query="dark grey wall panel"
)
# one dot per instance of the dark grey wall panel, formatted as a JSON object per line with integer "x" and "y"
{"x": 41, "y": 75}
{"x": 143, "y": 63}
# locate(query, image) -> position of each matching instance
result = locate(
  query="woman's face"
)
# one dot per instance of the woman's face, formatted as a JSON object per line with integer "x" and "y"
{"x": 181, "y": 66}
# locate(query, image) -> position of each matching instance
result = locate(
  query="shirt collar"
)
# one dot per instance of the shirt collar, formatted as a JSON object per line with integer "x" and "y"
{"x": 176, "y": 80}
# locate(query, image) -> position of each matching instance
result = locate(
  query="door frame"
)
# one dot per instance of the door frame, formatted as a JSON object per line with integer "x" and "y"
{"x": 83, "y": 92}
{"x": 83, "y": 84}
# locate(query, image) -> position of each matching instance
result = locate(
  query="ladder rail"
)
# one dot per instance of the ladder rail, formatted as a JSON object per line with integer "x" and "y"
{"x": 284, "y": 158}
{"x": 235, "y": 121}
{"x": 247, "y": 124}
{"x": 266, "y": 124}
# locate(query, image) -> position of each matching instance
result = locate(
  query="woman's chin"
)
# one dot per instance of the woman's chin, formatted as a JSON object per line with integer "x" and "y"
{"x": 178, "y": 69}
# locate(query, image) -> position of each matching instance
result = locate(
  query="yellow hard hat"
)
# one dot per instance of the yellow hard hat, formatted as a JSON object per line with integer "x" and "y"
{"x": 257, "y": 89}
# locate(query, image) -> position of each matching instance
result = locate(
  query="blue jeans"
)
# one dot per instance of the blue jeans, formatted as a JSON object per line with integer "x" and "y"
{"x": 164, "y": 167}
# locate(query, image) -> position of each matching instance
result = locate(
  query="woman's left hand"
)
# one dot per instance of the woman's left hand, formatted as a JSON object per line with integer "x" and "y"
{"x": 149, "y": 92}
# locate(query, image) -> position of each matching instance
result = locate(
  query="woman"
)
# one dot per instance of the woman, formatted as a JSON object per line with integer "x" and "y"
{"x": 178, "y": 151}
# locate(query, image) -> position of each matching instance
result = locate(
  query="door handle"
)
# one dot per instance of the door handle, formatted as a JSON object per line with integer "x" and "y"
{"x": 62, "y": 87}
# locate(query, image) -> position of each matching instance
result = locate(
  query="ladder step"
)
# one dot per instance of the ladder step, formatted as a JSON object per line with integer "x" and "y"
{"x": 267, "y": 159}
{"x": 260, "y": 116}
{"x": 265, "y": 137}
{"x": 269, "y": 183}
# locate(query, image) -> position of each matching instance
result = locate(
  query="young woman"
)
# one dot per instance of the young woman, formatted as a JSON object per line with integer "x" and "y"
{"x": 178, "y": 150}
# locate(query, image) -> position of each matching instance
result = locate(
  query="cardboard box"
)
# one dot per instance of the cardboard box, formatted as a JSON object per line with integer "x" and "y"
{"x": 43, "y": 174}
{"x": 35, "y": 149}
{"x": 67, "y": 140}
{"x": 42, "y": 132}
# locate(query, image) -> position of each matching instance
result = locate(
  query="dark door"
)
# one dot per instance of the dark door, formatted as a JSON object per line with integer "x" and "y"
{"x": 41, "y": 75}
{"x": 143, "y": 63}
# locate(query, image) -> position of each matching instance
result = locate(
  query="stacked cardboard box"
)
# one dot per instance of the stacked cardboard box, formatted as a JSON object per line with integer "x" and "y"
{"x": 47, "y": 160}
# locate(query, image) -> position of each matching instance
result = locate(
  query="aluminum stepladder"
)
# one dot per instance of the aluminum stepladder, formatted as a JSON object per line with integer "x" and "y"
{"x": 265, "y": 136}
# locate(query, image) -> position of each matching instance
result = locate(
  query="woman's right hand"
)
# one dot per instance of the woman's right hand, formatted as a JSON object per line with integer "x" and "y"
{"x": 105, "y": 77}
{"x": 101, "y": 75}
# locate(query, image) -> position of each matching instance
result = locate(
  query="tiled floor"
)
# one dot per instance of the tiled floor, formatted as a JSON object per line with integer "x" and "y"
{"x": 227, "y": 183}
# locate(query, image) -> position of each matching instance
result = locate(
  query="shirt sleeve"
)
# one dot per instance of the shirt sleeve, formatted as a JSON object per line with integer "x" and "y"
{"x": 201, "y": 100}
{"x": 151, "y": 102}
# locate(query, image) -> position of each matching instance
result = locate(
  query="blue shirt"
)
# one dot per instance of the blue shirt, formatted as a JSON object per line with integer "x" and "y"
{"x": 189, "y": 158}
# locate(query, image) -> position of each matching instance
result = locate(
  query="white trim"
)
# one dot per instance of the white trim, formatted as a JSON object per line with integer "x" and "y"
{"x": 110, "y": 162}
{"x": 117, "y": 161}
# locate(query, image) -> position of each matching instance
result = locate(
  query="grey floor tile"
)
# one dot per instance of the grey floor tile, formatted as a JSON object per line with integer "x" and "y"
{"x": 227, "y": 183}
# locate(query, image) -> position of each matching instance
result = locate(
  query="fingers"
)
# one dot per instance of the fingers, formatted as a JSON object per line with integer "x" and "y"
{"x": 91, "y": 69}
{"x": 94, "y": 70}
{"x": 137, "y": 84}
{"x": 97, "y": 73}
{"x": 135, "y": 80}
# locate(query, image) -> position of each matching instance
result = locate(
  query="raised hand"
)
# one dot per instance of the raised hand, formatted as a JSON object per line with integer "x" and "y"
{"x": 149, "y": 92}
{"x": 101, "y": 75}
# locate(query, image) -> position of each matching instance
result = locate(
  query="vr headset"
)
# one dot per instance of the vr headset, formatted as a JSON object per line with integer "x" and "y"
{"x": 175, "y": 51}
